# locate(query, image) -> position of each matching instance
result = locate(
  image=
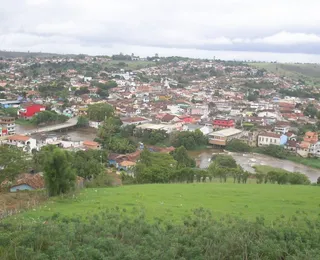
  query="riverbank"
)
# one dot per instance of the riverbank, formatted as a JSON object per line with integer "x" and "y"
{"x": 310, "y": 162}
{"x": 22, "y": 122}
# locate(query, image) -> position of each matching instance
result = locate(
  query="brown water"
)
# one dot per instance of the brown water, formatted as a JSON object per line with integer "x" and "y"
{"x": 246, "y": 161}
{"x": 79, "y": 134}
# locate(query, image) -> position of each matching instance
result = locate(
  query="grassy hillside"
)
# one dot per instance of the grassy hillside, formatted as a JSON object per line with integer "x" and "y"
{"x": 306, "y": 72}
{"x": 173, "y": 201}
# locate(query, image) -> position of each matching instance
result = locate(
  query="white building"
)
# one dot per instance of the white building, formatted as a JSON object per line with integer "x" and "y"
{"x": 265, "y": 139}
{"x": 22, "y": 141}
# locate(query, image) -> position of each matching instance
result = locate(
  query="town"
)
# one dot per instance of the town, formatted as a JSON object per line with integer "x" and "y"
{"x": 224, "y": 100}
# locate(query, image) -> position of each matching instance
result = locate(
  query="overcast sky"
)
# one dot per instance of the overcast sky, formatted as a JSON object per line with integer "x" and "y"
{"x": 233, "y": 29}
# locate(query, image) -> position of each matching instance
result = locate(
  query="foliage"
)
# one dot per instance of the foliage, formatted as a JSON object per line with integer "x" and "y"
{"x": 45, "y": 117}
{"x": 127, "y": 131}
{"x": 82, "y": 121}
{"x": 310, "y": 111}
{"x": 89, "y": 164}
{"x": 10, "y": 111}
{"x": 100, "y": 112}
{"x": 273, "y": 150}
{"x": 82, "y": 91}
{"x": 13, "y": 161}
{"x": 154, "y": 167}
{"x": 224, "y": 161}
{"x": 190, "y": 140}
{"x": 237, "y": 145}
{"x": 58, "y": 172}
{"x": 152, "y": 137}
{"x": 111, "y": 235}
{"x": 101, "y": 180}
{"x": 268, "y": 174}
{"x": 121, "y": 145}
{"x": 183, "y": 159}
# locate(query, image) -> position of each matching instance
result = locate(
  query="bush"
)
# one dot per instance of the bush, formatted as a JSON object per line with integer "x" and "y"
{"x": 238, "y": 146}
{"x": 113, "y": 235}
{"x": 102, "y": 180}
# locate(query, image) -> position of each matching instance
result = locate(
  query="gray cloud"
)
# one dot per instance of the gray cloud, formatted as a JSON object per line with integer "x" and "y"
{"x": 282, "y": 26}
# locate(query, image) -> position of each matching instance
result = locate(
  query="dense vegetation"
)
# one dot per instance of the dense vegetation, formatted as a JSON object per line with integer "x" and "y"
{"x": 268, "y": 174}
{"x": 46, "y": 117}
{"x": 110, "y": 235}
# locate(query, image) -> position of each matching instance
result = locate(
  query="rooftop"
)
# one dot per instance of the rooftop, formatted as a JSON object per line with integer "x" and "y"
{"x": 226, "y": 132}
{"x": 18, "y": 138}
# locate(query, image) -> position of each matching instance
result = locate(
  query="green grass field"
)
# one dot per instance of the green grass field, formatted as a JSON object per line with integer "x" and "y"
{"x": 130, "y": 64}
{"x": 173, "y": 201}
{"x": 307, "y": 72}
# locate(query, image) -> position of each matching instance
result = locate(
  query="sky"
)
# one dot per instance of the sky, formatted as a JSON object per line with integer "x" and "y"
{"x": 277, "y": 30}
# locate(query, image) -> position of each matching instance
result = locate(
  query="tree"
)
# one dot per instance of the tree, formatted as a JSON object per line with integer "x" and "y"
{"x": 89, "y": 164}
{"x": 82, "y": 121}
{"x": 154, "y": 167}
{"x": 13, "y": 161}
{"x": 237, "y": 145}
{"x": 183, "y": 159}
{"x": 100, "y": 112}
{"x": 58, "y": 172}
{"x": 48, "y": 117}
{"x": 82, "y": 91}
{"x": 310, "y": 111}
{"x": 224, "y": 161}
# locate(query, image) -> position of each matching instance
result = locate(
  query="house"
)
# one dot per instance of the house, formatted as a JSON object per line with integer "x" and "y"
{"x": 91, "y": 145}
{"x": 28, "y": 181}
{"x": 167, "y": 118}
{"x": 126, "y": 165}
{"x": 268, "y": 138}
{"x": 22, "y": 141}
{"x": 291, "y": 146}
{"x": 282, "y": 127}
{"x": 7, "y": 126}
{"x": 222, "y": 137}
{"x": 223, "y": 123}
{"x": 314, "y": 149}
{"x": 311, "y": 137}
{"x": 29, "y": 111}
{"x": 303, "y": 149}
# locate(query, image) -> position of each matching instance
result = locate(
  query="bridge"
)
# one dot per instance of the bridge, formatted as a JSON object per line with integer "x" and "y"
{"x": 71, "y": 122}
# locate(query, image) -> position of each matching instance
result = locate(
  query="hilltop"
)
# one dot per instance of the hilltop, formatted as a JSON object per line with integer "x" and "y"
{"x": 307, "y": 72}
{"x": 17, "y": 54}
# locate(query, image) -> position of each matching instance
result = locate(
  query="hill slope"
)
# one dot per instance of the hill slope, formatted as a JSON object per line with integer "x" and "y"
{"x": 173, "y": 201}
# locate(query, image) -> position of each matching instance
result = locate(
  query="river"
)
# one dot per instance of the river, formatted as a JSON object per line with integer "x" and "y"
{"x": 79, "y": 134}
{"x": 246, "y": 161}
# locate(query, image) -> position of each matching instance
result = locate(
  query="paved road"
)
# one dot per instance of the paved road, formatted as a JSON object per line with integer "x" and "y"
{"x": 69, "y": 123}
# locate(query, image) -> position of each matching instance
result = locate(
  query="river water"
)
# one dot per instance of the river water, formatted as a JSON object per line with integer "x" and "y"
{"x": 246, "y": 161}
{"x": 79, "y": 134}
{"x": 203, "y": 157}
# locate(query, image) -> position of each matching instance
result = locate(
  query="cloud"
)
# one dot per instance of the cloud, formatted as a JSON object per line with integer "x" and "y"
{"x": 97, "y": 25}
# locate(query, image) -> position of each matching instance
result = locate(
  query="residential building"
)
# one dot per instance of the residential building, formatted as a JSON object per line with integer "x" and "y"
{"x": 28, "y": 181}
{"x": 91, "y": 145}
{"x": 265, "y": 139}
{"x": 223, "y": 123}
{"x": 22, "y": 141}
{"x": 7, "y": 126}
{"x": 282, "y": 127}
{"x": 222, "y": 137}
